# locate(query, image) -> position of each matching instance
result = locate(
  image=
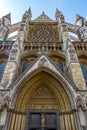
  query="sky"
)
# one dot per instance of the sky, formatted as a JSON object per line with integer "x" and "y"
{"x": 68, "y": 7}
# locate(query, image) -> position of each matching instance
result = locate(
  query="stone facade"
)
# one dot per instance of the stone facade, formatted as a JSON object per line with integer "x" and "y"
{"x": 43, "y": 80}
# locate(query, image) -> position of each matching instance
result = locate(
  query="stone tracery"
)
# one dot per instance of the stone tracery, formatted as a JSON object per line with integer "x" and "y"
{"x": 43, "y": 33}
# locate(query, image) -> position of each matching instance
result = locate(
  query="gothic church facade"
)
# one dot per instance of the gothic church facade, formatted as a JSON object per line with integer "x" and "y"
{"x": 43, "y": 73}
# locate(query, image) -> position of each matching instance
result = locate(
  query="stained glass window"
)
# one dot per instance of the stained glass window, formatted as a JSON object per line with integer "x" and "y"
{"x": 60, "y": 67}
{"x": 84, "y": 70}
{"x": 25, "y": 66}
{"x": 2, "y": 67}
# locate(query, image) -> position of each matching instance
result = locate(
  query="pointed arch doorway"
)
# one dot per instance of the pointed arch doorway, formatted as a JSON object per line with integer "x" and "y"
{"x": 43, "y": 111}
{"x": 48, "y": 104}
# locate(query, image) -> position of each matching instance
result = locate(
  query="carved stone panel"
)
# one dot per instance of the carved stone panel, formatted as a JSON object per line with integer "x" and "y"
{"x": 42, "y": 98}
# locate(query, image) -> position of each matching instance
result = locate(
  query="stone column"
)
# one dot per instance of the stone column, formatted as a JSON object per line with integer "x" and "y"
{"x": 74, "y": 66}
{"x": 3, "y": 117}
{"x": 65, "y": 38}
{"x": 71, "y": 56}
{"x": 12, "y": 67}
{"x": 78, "y": 120}
{"x": 24, "y": 26}
{"x": 21, "y": 34}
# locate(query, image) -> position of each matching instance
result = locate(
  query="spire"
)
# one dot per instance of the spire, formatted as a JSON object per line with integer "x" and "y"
{"x": 8, "y": 16}
{"x": 4, "y": 20}
{"x": 43, "y": 13}
{"x": 30, "y": 14}
{"x": 27, "y": 15}
{"x": 59, "y": 14}
{"x": 57, "y": 10}
{"x": 29, "y": 10}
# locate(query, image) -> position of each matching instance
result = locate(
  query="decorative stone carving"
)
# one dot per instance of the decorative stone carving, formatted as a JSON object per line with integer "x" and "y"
{"x": 4, "y": 25}
{"x": 60, "y": 15}
{"x": 72, "y": 53}
{"x": 5, "y": 99}
{"x": 13, "y": 55}
{"x": 43, "y": 34}
{"x": 42, "y": 62}
{"x": 43, "y": 18}
{"x": 1, "y": 99}
{"x": 80, "y": 101}
{"x": 27, "y": 15}
{"x": 64, "y": 27}
{"x": 42, "y": 92}
{"x": 22, "y": 27}
{"x": 14, "y": 51}
{"x": 83, "y": 33}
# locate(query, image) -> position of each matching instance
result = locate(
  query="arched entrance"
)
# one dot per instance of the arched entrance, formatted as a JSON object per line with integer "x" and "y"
{"x": 41, "y": 102}
{"x": 42, "y": 91}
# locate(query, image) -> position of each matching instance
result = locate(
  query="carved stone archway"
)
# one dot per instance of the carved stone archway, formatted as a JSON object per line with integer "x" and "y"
{"x": 56, "y": 89}
{"x": 42, "y": 93}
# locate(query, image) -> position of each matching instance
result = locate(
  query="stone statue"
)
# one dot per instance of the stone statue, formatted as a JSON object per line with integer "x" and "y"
{"x": 83, "y": 33}
{"x": 82, "y": 28}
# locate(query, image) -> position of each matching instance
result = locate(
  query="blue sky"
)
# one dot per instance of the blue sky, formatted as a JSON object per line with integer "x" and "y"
{"x": 68, "y": 7}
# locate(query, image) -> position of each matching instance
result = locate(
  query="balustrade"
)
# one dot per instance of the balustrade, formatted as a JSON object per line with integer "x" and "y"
{"x": 80, "y": 47}
{"x": 6, "y": 46}
{"x": 43, "y": 47}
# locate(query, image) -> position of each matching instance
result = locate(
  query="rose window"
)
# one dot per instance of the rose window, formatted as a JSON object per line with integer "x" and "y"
{"x": 43, "y": 34}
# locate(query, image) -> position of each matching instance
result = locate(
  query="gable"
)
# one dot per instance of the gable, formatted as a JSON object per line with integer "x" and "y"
{"x": 43, "y": 18}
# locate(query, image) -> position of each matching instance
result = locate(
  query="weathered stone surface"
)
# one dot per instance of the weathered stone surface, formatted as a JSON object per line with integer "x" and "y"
{"x": 43, "y": 71}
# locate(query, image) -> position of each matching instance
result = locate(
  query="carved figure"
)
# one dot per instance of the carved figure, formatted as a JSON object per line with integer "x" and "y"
{"x": 83, "y": 33}
{"x": 72, "y": 54}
